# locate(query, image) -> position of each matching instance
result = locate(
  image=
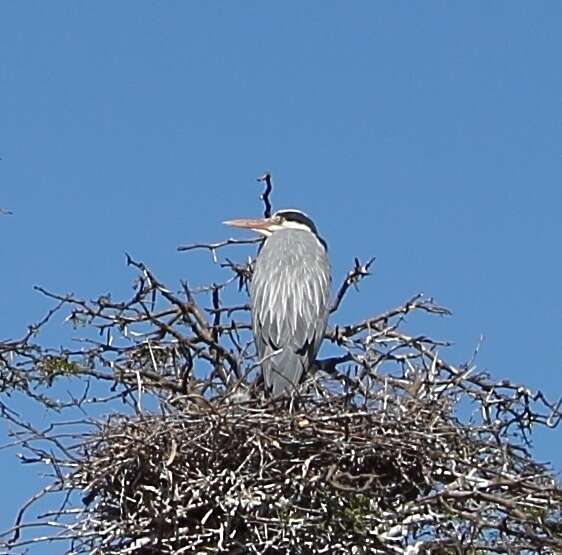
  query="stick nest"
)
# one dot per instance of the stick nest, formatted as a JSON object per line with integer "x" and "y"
{"x": 321, "y": 476}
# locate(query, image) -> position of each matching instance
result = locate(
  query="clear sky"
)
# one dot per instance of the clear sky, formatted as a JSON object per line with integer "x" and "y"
{"x": 428, "y": 134}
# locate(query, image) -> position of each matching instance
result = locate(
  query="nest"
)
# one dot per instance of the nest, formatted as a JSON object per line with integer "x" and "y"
{"x": 321, "y": 476}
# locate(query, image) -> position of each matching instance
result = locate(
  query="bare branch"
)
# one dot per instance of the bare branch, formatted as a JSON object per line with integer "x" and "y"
{"x": 354, "y": 276}
{"x": 266, "y": 178}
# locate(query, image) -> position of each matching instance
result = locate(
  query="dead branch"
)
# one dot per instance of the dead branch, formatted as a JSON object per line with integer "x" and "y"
{"x": 266, "y": 178}
{"x": 354, "y": 276}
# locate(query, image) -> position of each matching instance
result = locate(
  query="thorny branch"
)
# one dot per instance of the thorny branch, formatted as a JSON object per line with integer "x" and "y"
{"x": 160, "y": 439}
{"x": 354, "y": 276}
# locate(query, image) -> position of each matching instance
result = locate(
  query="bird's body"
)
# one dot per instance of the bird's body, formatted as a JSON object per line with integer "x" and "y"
{"x": 290, "y": 298}
{"x": 289, "y": 312}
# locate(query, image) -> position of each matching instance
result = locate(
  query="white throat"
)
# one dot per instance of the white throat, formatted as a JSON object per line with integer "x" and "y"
{"x": 285, "y": 225}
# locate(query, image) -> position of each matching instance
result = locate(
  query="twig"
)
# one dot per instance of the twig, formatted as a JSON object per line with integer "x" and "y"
{"x": 266, "y": 178}
{"x": 218, "y": 245}
{"x": 354, "y": 276}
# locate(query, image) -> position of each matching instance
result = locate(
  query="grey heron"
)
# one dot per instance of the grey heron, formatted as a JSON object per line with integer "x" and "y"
{"x": 290, "y": 297}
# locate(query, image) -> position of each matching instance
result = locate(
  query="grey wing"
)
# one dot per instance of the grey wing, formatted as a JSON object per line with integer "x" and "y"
{"x": 290, "y": 309}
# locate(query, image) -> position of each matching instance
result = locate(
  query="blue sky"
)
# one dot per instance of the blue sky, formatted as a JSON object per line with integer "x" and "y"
{"x": 428, "y": 134}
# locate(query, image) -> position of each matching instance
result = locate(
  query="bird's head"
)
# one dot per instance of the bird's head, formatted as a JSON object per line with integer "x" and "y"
{"x": 282, "y": 219}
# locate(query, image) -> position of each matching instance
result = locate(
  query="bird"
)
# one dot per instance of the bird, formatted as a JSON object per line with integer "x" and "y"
{"x": 290, "y": 293}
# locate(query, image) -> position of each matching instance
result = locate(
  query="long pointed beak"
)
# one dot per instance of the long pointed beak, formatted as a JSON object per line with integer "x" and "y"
{"x": 248, "y": 223}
